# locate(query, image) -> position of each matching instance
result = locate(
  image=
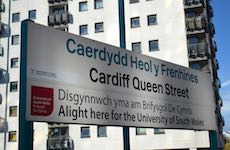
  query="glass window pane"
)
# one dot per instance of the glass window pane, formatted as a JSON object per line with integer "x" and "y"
{"x": 98, "y": 4}
{"x": 140, "y": 131}
{"x": 85, "y": 132}
{"x": 101, "y": 131}
{"x": 196, "y": 66}
{"x": 12, "y": 136}
{"x": 83, "y": 30}
{"x": 135, "y": 22}
{"x": 16, "y": 17}
{"x": 13, "y": 111}
{"x": 13, "y": 86}
{"x": 133, "y": 1}
{"x": 1, "y": 51}
{"x": 15, "y": 39}
{"x": 159, "y": 131}
{"x": 32, "y": 14}
{"x": 152, "y": 19}
{"x": 83, "y": 6}
{"x": 153, "y": 45}
{"x": 99, "y": 27}
{"x": 136, "y": 47}
{"x": 14, "y": 63}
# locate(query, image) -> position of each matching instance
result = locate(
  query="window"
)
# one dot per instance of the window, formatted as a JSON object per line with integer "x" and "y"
{"x": 85, "y": 132}
{"x": 14, "y": 62}
{"x": 83, "y": 29}
{"x": 83, "y": 6}
{"x": 58, "y": 10}
{"x": 14, "y": 86}
{"x": 196, "y": 66}
{"x": 13, "y": 111}
{"x": 101, "y": 131}
{"x": 98, "y": 4}
{"x": 135, "y": 22}
{"x": 1, "y": 51}
{"x": 99, "y": 27}
{"x": 136, "y": 47}
{"x": 15, "y": 39}
{"x": 16, "y": 17}
{"x": 153, "y": 45}
{"x": 159, "y": 131}
{"x": 12, "y": 136}
{"x": 140, "y": 131}
{"x": 152, "y": 20}
{"x": 58, "y": 131}
{"x": 133, "y": 1}
{"x": 32, "y": 14}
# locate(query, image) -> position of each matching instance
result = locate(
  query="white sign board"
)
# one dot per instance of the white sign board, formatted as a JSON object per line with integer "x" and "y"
{"x": 71, "y": 79}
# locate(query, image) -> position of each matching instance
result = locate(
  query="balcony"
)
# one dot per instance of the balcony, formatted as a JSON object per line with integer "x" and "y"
{"x": 2, "y": 7}
{"x": 193, "y": 3}
{"x": 196, "y": 25}
{"x": 210, "y": 10}
{"x": 60, "y": 143}
{"x": 212, "y": 29}
{"x": 216, "y": 64}
{"x": 60, "y": 19}
{"x": 220, "y": 102}
{"x": 57, "y": 2}
{"x": 198, "y": 50}
{"x": 1, "y": 51}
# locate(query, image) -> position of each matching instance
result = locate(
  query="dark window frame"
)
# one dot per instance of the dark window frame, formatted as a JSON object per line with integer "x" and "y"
{"x": 153, "y": 16}
{"x": 99, "y": 133}
{"x": 12, "y": 84}
{"x": 82, "y": 27}
{"x": 152, "y": 49}
{"x": 9, "y": 134}
{"x": 132, "y": 22}
{"x": 34, "y": 12}
{"x": 12, "y": 62}
{"x": 134, "y": 45}
{"x": 139, "y": 132}
{"x": 11, "y": 108}
{"x": 85, "y": 136}
{"x": 95, "y": 27}
{"x": 82, "y": 3}
{"x": 16, "y": 17}
{"x": 13, "y": 42}
{"x": 98, "y": 6}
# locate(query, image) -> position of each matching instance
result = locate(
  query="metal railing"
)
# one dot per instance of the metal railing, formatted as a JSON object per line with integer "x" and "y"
{"x": 60, "y": 143}
{"x": 198, "y": 50}
{"x": 196, "y": 23}
{"x": 193, "y": 2}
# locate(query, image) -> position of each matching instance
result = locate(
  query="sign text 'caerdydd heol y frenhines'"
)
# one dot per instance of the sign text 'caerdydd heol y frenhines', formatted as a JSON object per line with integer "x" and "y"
{"x": 71, "y": 79}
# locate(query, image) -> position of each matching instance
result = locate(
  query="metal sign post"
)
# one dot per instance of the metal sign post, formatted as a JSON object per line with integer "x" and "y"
{"x": 25, "y": 127}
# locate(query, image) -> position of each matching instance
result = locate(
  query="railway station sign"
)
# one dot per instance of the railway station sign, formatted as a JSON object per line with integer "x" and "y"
{"x": 71, "y": 79}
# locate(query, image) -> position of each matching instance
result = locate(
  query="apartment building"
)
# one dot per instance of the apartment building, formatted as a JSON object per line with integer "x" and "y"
{"x": 177, "y": 31}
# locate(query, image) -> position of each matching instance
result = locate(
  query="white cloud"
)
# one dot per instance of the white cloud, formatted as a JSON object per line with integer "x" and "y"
{"x": 226, "y": 83}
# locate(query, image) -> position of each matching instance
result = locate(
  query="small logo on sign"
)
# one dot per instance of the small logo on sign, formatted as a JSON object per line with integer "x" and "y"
{"x": 41, "y": 101}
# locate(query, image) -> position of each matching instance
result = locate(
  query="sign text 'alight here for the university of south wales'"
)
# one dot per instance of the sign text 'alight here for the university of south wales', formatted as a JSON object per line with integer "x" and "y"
{"x": 71, "y": 79}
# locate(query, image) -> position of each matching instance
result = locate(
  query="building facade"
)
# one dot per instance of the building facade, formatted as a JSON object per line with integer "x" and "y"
{"x": 177, "y": 31}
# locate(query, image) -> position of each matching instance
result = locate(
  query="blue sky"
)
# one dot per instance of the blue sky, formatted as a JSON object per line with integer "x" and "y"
{"x": 222, "y": 25}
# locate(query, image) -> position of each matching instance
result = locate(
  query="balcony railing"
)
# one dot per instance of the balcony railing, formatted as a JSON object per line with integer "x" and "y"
{"x": 60, "y": 143}
{"x": 56, "y": 1}
{"x": 60, "y": 19}
{"x": 198, "y": 50}
{"x": 193, "y": 3}
{"x": 2, "y": 7}
{"x": 196, "y": 23}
